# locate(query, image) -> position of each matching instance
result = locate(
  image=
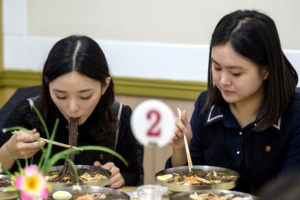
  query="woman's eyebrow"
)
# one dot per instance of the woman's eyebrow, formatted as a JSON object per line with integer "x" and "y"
{"x": 80, "y": 91}
{"x": 60, "y": 91}
{"x": 212, "y": 59}
{"x": 230, "y": 66}
{"x": 85, "y": 90}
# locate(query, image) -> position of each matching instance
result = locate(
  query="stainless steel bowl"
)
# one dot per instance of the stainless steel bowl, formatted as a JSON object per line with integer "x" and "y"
{"x": 186, "y": 188}
{"x": 9, "y": 194}
{"x": 112, "y": 194}
{"x": 100, "y": 170}
{"x": 186, "y": 195}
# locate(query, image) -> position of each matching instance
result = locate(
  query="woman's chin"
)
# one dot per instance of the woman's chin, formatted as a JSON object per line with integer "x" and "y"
{"x": 230, "y": 100}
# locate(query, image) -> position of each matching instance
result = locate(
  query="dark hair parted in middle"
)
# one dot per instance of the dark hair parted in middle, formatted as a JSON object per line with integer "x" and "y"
{"x": 83, "y": 55}
{"x": 254, "y": 36}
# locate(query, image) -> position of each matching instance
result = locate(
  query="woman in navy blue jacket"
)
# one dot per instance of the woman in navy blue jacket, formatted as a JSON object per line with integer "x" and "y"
{"x": 248, "y": 120}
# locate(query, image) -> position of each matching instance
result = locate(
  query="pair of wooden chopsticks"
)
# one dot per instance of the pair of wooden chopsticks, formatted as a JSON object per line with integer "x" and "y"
{"x": 50, "y": 141}
{"x": 187, "y": 150}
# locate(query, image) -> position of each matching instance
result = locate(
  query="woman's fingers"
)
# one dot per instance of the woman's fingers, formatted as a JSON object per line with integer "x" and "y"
{"x": 117, "y": 182}
{"x": 97, "y": 164}
{"x": 186, "y": 127}
{"x": 182, "y": 123}
{"x": 23, "y": 145}
{"x": 26, "y": 150}
{"x": 25, "y": 137}
{"x": 183, "y": 128}
{"x": 177, "y": 136}
{"x": 116, "y": 179}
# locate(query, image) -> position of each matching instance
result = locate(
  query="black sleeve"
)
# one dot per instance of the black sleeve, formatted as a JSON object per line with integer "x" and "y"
{"x": 128, "y": 147}
{"x": 16, "y": 118}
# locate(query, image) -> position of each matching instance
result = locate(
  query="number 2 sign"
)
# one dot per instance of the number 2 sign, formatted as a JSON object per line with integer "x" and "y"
{"x": 153, "y": 123}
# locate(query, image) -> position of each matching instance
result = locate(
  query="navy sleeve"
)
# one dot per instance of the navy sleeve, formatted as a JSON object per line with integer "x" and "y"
{"x": 196, "y": 142}
{"x": 168, "y": 163}
{"x": 291, "y": 162}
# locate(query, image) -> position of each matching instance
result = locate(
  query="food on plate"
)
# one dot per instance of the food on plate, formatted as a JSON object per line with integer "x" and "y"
{"x": 212, "y": 196}
{"x": 165, "y": 177}
{"x": 62, "y": 195}
{"x": 94, "y": 196}
{"x": 4, "y": 189}
{"x": 4, "y": 183}
{"x": 85, "y": 197}
{"x": 197, "y": 177}
{"x": 84, "y": 177}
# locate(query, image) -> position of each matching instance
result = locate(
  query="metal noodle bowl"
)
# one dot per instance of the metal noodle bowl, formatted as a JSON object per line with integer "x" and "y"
{"x": 220, "y": 178}
{"x": 230, "y": 195}
{"x": 92, "y": 169}
{"x": 110, "y": 194}
{"x": 6, "y": 194}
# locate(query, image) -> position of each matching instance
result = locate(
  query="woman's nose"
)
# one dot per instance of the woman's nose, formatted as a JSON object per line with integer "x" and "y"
{"x": 73, "y": 106}
{"x": 225, "y": 79}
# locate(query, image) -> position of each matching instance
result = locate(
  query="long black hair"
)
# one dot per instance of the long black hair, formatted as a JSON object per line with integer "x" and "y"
{"x": 83, "y": 55}
{"x": 254, "y": 36}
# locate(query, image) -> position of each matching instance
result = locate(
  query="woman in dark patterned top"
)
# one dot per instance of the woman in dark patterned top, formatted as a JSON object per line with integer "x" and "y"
{"x": 76, "y": 83}
{"x": 248, "y": 120}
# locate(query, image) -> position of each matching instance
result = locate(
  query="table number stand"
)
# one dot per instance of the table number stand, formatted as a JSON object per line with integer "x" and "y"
{"x": 153, "y": 125}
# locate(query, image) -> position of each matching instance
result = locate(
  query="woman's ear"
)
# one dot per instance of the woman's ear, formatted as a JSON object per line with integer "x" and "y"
{"x": 107, "y": 82}
{"x": 266, "y": 73}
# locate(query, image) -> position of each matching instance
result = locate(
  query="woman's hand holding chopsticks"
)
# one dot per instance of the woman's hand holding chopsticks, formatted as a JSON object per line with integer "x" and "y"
{"x": 24, "y": 145}
{"x": 38, "y": 139}
{"x": 20, "y": 146}
{"x": 179, "y": 157}
{"x": 182, "y": 127}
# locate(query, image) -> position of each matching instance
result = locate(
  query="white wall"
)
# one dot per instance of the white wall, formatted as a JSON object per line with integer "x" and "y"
{"x": 141, "y": 38}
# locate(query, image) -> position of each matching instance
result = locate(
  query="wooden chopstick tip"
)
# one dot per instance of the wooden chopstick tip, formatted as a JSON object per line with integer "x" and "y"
{"x": 179, "y": 112}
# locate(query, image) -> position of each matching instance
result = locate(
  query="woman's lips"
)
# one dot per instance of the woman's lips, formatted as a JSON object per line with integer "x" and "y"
{"x": 226, "y": 91}
{"x": 75, "y": 118}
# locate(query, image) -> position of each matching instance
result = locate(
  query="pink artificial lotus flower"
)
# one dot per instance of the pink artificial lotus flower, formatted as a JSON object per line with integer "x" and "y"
{"x": 32, "y": 184}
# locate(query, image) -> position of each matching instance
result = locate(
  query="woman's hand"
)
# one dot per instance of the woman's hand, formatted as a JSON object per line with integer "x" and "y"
{"x": 23, "y": 145}
{"x": 20, "y": 146}
{"x": 183, "y": 127}
{"x": 116, "y": 180}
